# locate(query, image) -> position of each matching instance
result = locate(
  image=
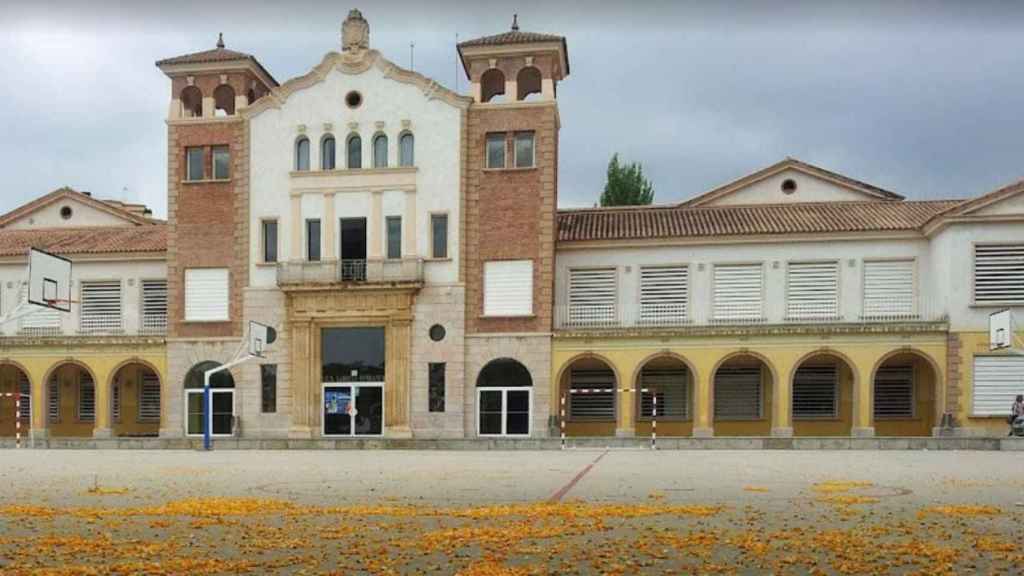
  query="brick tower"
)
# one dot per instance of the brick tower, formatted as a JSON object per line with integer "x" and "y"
{"x": 511, "y": 197}
{"x": 207, "y": 208}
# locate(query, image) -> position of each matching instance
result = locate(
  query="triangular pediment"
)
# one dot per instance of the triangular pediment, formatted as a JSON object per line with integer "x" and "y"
{"x": 68, "y": 208}
{"x": 792, "y": 181}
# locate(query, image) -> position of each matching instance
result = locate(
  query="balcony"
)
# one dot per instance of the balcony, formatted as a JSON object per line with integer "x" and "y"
{"x": 380, "y": 271}
{"x": 618, "y": 317}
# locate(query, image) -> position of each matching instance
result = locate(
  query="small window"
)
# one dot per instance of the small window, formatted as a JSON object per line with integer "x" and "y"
{"x": 737, "y": 292}
{"x": 738, "y": 394}
{"x": 206, "y": 294}
{"x": 353, "y": 99}
{"x": 812, "y": 290}
{"x": 592, "y": 296}
{"x": 149, "y": 398}
{"x": 313, "y": 240}
{"x": 406, "y": 150}
{"x": 788, "y": 186}
{"x": 508, "y": 288}
{"x": 194, "y": 161}
{"x": 815, "y": 392}
{"x": 224, "y": 101}
{"x": 355, "y": 151}
{"x": 524, "y": 150}
{"x": 394, "y": 226}
{"x": 888, "y": 289}
{"x": 496, "y": 150}
{"x": 154, "y": 305}
{"x": 302, "y": 154}
{"x": 437, "y": 332}
{"x": 270, "y": 240}
{"x": 221, "y": 163}
{"x": 380, "y": 151}
{"x": 894, "y": 392}
{"x": 66, "y": 212}
{"x": 435, "y": 389}
{"x": 439, "y": 235}
{"x": 100, "y": 311}
{"x": 327, "y": 153}
{"x": 268, "y": 388}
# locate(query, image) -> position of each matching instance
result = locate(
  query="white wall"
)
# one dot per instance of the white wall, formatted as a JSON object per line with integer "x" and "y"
{"x": 130, "y": 272}
{"x": 629, "y": 260}
{"x": 81, "y": 215}
{"x": 953, "y": 261}
{"x": 808, "y": 189}
{"x": 435, "y": 124}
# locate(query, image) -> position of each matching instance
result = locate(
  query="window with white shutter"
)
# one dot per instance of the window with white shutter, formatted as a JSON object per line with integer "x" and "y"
{"x": 86, "y": 398}
{"x": 997, "y": 382}
{"x": 508, "y": 288}
{"x": 894, "y": 392}
{"x": 592, "y": 296}
{"x": 664, "y": 294}
{"x": 587, "y": 404}
{"x": 53, "y": 400}
{"x": 812, "y": 290}
{"x": 889, "y": 289}
{"x": 671, "y": 386}
{"x": 816, "y": 392}
{"x": 43, "y": 321}
{"x": 100, "y": 310}
{"x": 738, "y": 394}
{"x": 206, "y": 294}
{"x": 149, "y": 398}
{"x": 999, "y": 273}
{"x": 154, "y": 306}
{"x": 738, "y": 292}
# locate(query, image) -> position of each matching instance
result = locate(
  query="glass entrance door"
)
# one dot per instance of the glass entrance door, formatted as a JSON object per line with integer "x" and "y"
{"x": 220, "y": 415}
{"x": 503, "y": 411}
{"x": 353, "y": 410}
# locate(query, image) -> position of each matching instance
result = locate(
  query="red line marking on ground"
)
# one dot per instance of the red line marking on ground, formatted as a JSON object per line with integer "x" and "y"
{"x": 579, "y": 476}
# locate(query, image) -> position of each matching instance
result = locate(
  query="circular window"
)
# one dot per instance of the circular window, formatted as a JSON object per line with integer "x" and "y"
{"x": 788, "y": 186}
{"x": 353, "y": 99}
{"x": 65, "y": 212}
{"x": 437, "y": 332}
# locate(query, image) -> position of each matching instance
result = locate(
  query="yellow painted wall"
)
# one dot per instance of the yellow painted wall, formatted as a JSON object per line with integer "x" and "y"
{"x": 924, "y": 409}
{"x": 101, "y": 359}
{"x": 627, "y": 353}
{"x": 972, "y": 344}
{"x": 840, "y": 426}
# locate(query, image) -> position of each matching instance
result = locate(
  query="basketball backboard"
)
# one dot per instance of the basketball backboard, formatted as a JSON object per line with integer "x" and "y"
{"x": 1000, "y": 330}
{"x": 260, "y": 336}
{"x": 49, "y": 280}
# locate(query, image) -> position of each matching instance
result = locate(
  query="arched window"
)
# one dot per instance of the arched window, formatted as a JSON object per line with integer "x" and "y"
{"x": 528, "y": 83}
{"x": 327, "y": 153}
{"x": 504, "y": 398}
{"x": 191, "y": 102}
{"x": 221, "y": 416}
{"x": 355, "y": 151}
{"x": 380, "y": 151}
{"x": 250, "y": 96}
{"x": 302, "y": 154}
{"x": 224, "y": 101}
{"x": 492, "y": 84}
{"x": 406, "y": 146}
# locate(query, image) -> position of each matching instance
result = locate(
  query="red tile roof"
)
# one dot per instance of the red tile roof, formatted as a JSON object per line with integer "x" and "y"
{"x": 89, "y": 240}
{"x": 649, "y": 222}
{"x": 218, "y": 54}
{"x": 512, "y": 37}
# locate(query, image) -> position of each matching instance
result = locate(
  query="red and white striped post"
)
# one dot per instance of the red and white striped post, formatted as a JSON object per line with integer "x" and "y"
{"x": 654, "y": 421}
{"x": 561, "y": 418}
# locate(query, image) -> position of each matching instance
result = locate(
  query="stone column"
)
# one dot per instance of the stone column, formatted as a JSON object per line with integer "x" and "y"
{"x": 863, "y": 407}
{"x": 329, "y": 224}
{"x": 373, "y": 226}
{"x": 703, "y": 423}
{"x": 302, "y": 360}
{"x": 396, "y": 387}
{"x": 101, "y": 426}
{"x": 782, "y": 404}
{"x": 625, "y": 422}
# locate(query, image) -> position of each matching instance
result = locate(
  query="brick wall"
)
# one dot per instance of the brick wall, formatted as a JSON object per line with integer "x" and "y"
{"x": 510, "y": 213}
{"x": 207, "y": 221}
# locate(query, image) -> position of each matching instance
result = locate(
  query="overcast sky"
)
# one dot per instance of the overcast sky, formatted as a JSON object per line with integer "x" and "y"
{"x": 925, "y": 99}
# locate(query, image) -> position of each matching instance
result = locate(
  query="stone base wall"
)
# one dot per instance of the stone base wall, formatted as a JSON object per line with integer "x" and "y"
{"x": 266, "y": 306}
{"x": 532, "y": 351}
{"x": 182, "y": 355}
{"x": 443, "y": 305}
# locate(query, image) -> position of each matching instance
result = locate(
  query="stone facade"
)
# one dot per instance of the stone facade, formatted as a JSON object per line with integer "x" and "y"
{"x": 441, "y": 305}
{"x": 532, "y": 351}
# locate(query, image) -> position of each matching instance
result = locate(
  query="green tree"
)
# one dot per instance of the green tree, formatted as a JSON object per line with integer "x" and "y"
{"x": 626, "y": 185}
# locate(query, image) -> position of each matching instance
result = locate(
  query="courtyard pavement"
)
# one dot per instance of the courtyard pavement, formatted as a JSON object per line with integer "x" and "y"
{"x": 518, "y": 512}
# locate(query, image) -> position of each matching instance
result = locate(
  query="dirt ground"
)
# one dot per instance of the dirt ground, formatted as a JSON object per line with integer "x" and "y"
{"x": 480, "y": 513}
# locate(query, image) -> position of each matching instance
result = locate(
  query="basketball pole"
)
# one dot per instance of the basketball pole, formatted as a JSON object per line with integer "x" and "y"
{"x": 207, "y": 407}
